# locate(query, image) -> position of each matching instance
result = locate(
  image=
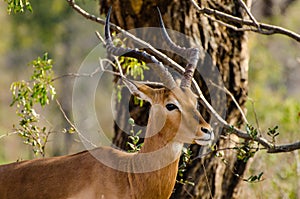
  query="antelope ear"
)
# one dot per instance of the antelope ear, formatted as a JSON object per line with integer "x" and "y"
{"x": 139, "y": 90}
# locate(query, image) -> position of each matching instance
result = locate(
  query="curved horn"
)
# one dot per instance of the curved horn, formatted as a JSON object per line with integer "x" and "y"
{"x": 163, "y": 73}
{"x": 191, "y": 54}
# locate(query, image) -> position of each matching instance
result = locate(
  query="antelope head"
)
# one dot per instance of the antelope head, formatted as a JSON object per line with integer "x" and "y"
{"x": 174, "y": 107}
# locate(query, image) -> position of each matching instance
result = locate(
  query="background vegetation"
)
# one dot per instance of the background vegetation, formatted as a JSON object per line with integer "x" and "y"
{"x": 54, "y": 28}
{"x": 274, "y": 78}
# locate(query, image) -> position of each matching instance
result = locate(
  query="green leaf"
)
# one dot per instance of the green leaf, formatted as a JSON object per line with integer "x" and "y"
{"x": 132, "y": 146}
{"x": 18, "y": 6}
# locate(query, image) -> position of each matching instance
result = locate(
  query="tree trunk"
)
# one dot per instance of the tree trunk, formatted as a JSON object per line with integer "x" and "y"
{"x": 227, "y": 50}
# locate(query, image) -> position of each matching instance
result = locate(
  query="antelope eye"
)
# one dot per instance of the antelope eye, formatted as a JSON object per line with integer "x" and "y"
{"x": 171, "y": 107}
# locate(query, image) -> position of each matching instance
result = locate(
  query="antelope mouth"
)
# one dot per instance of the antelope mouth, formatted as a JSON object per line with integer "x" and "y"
{"x": 205, "y": 140}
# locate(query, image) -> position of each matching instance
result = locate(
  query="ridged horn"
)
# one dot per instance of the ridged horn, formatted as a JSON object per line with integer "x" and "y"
{"x": 191, "y": 54}
{"x": 163, "y": 73}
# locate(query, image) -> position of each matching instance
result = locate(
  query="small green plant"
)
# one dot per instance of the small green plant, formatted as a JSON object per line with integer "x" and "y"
{"x": 26, "y": 95}
{"x": 18, "y": 6}
{"x": 133, "y": 143}
{"x": 186, "y": 159}
{"x": 273, "y": 133}
{"x": 254, "y": 178}
{"x": 245, "y": 151}
{"x": 253, "y": 132}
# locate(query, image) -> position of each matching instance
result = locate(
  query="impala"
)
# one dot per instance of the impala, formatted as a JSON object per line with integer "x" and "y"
{"x": 148, "y": 174}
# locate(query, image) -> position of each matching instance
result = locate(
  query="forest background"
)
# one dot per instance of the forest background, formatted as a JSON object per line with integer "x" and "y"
{"x": 274, "y": 73}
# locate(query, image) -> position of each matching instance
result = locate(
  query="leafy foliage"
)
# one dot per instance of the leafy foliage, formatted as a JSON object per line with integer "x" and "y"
{"x": 253, "y": 132}
{"x": 133, "y": 68}
{"x": 18, "y": 6}
{"x": 273, "y": 133}
{"x": 245, "y": 151}
{"x": 186, "y": 160}
{"x": 26, "y": 94}
{"x": 134, "y": 138}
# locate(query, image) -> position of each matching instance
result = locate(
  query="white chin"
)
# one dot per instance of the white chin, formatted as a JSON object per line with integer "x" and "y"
{"x": 203, "y": 142}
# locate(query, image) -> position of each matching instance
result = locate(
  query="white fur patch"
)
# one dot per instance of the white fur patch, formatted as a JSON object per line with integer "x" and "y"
{"x": 177, "y": 147}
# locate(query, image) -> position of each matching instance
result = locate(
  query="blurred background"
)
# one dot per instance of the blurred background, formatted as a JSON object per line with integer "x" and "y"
{"x": 274, "y": 83}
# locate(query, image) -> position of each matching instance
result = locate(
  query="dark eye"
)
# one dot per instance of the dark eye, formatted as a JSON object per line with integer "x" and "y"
{"x": 171, "y": 107}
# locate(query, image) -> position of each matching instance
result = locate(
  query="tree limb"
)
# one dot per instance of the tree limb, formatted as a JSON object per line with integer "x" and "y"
{"x": 262, "y": 28}
{"x": 233, "y": 99}
{"x": 242, "y": 3}
{"x": 73, "y": 125}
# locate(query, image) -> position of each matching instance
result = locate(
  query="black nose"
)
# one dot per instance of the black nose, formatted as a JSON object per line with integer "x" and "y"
{"x": 206, "y": 130}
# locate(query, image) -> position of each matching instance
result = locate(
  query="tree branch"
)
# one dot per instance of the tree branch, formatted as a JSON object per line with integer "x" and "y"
{"x": 284, "y": 148}
{"x": 8, "y": 134}
{"x": 73, "y": 126}
{"x": 262, "y": 28}
{"x": 233, "y": 99}
{"x": 242, "y": 3}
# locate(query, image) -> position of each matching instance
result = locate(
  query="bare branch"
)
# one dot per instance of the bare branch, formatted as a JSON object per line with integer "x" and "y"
{"x": 233, "y": 99}
{"x": 100, "y": 37}
{"x": 284, "y": 148}
{"x": 255, "y": 114}
{"x": 229, "y": 25}
{"x": 72, "y": 125}
{"x": 265, "y": 29}
{"x": 97, "y": 70}
{"x": 77, "y": 75}
{"x": 8, "y": 134}
{"x": 242, "y": 3}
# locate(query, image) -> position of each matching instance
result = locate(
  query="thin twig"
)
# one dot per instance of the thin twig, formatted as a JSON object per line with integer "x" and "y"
{"x": 8, "y": 134}
{"x": 97, "y": 70}
{"x": 103, "y": 69}
{"x": 206, "y": 179}
{"x": 255, "y": 114}
{"x": 119, "y": 67}
{"x": 77, "y": 74}
{"x": 100, "y": 37}
{"x": 229, "y": 25}
{"x": 72, "y": 125}
{"x": 187, "y": 192}
{"x": 271, "y": 148}
{"x": 242, "y": 3}
{"x": 200, "y": 156}
{"x": 233, "y": 99}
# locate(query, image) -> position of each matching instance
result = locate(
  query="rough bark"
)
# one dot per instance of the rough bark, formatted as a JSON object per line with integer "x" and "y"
{"x": 227, "y": 51}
